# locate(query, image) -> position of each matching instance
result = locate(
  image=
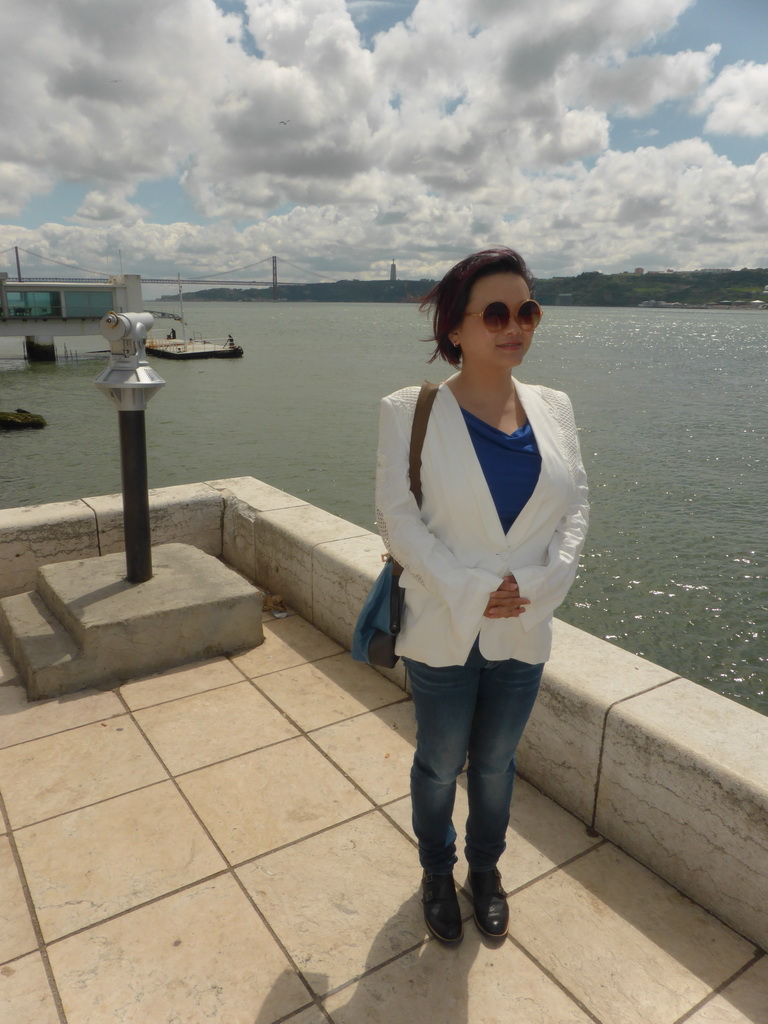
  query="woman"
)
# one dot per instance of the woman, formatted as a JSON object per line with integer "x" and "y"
{"x": 487, "y": 559}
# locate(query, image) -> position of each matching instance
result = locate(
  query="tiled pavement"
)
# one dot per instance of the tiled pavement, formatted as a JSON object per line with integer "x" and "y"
{"x": 230, "y": 842}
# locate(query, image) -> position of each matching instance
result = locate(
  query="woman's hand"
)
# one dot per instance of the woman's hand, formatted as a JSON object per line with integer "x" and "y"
{"x": 506, "y": 603}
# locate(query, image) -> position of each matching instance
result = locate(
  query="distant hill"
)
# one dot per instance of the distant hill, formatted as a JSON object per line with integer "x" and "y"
{"x": 694, "y": 288}
{"x": 690, "y": 287}
{"x": 332, "y": 291}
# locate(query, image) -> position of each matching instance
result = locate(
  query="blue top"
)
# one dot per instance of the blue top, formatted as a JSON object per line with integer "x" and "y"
{"x": 511, "y": 464}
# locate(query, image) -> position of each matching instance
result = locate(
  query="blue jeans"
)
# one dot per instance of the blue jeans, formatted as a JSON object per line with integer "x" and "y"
{"x": 477, "y": 713}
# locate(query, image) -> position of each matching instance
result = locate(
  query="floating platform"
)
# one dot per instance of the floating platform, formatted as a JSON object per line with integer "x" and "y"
{"x": 194, "y": 350}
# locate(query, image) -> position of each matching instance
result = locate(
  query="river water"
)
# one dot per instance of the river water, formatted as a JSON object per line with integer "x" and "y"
{"x": 670, "y": 404}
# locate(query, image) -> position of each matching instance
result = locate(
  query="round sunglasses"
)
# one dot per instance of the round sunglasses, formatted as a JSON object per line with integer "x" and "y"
{"x": 497, "y": 315}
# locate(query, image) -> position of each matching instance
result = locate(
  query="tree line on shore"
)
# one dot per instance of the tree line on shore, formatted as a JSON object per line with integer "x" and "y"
{"x": 689, "y": 287}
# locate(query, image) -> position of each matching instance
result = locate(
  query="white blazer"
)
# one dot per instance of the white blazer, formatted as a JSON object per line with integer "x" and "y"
{"x": 454, "y": 550}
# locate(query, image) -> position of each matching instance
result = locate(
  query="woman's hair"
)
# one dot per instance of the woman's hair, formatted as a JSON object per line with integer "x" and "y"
{"x": 448, "y": 299}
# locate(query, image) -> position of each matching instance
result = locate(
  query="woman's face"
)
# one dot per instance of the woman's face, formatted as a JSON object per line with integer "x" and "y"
{"x": 482, "y": 348}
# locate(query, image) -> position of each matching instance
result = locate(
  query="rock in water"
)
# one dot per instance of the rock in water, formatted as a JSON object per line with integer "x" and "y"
{"x": 21, "y": 420}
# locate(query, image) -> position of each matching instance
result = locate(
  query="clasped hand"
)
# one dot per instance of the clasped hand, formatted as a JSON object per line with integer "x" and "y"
{"x": 506, "y": 603}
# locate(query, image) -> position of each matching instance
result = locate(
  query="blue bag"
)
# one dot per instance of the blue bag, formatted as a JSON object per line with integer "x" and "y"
{"x": 379, "y": 620}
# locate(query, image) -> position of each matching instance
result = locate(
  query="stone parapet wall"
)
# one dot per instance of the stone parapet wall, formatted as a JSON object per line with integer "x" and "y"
{"x": 37, "y": 535}
{"x": 323, "y": 566}
{"x": 674, "y": 774}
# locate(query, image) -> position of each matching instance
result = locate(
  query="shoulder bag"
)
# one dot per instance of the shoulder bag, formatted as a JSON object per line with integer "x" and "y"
{"x": 381, "y": 615}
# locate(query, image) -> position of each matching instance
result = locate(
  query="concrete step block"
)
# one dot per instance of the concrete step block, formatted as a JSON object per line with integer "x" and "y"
{"x": 41, "y": 647}
{"x": 193, "y": 608}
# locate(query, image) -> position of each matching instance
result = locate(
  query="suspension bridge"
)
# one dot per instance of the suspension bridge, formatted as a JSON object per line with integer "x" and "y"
{"x": 269, "y": 272}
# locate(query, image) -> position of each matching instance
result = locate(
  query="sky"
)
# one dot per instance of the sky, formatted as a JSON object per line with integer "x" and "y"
{"x": 196, "y": 137}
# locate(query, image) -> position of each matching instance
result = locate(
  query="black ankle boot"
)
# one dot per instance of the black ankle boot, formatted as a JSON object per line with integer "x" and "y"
{"x": 441, "y": 907}
{"x": 491, "y": 910}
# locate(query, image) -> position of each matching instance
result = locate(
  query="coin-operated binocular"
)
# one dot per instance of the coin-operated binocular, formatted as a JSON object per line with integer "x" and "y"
{"x": 130, "y": 382}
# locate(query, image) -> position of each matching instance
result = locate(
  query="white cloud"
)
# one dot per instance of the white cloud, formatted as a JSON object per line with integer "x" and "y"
{"x": 470, "y": 123}
{"x": 639, "y": 84}
{"x": 19, "y": 184}
{"x": 109, "y": 205}
{"x": 112, "y": 92}
{"x": 656, "y": 207}
{"x": 737, "y": 101}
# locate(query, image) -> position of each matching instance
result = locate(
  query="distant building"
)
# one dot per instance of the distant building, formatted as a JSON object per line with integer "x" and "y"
{"x": 564, "y": 299}
{"x": 393, "y": 272}
{"x": 639, "y": 270}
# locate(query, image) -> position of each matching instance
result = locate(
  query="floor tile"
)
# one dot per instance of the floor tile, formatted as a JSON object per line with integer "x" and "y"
{"x": 90, "y": 864}
{"x": 22, "y": 720}
{"x": 259, "y": 801}
{"x": 473, "y": 983}
{"x": 744, "y": 1001}
{"x": 17, "y": 936}
{"x": 25, "y": 995}
{"x": 311, "y": 1016}
{"x": 541, "y": 834}
{"x": 359, "y": 885}
{"x": 180, "y": 682}
{"x": 211, "y": 726}
{"x": 628, "y": 945}
{"x": 71, "y": 769}
{"x": 287, "y": 642}
{"x": 199, "y": 955}
{"x": 328, "y": 691}
{"x": 376, "y": 749}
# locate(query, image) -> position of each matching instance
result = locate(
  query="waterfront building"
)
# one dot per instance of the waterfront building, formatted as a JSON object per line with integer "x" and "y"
{"x": 43, "y": 310}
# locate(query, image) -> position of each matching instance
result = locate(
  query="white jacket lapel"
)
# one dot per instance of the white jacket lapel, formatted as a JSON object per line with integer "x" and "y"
{"x": 554, "y": 469}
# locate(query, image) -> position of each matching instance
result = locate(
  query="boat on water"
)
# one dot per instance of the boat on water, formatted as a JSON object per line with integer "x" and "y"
{"x": 173, "y": 347}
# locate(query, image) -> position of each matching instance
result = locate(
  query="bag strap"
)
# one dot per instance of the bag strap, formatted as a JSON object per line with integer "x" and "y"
{"x": 424, "y": 404}
{"x": 421, "y": 413}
